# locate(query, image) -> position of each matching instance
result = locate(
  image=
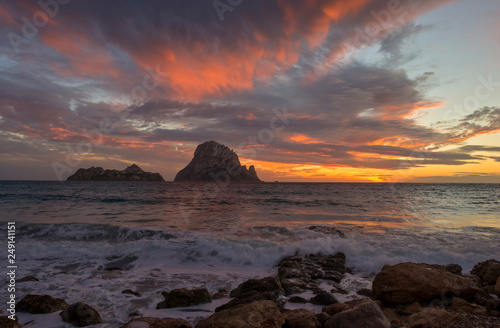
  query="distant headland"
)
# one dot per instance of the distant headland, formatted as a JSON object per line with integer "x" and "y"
{"x": 131, "y": 173}
{"x": 214, "y": 161}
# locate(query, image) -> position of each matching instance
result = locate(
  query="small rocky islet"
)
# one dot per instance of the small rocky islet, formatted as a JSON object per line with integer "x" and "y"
{"x": 411, "y": 295}
{"x": 131, "y": 173}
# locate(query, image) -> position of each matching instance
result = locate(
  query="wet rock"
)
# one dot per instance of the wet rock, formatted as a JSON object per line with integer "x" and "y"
{"x": 431, "y": 318}
{"x": 366, "y": 314}
{"x": 488, "y": 271}
{"x": 27, "y": 278}
{"x": 81, "y": 315}
{"x": 300, "y": 319}
{"x": 411, "y": 282}
{"x": 322, "y": 318}
{"x": 131, "y": 292}
{"x": 324, "y": 298}
{"x": 411, "y": 309}
{"x": 259, "y": 314}
{"x": 365, "y": 292}
{"x": 497, "y": 287}
{"x": 148, "y": 322}
{"x": 475, "y": 279}
{"x": 222, "y": 293}
{"x": 299, "y": 273}
{"x": 297, "y": 299}
{"x": 184, "y": 297}
{"x": 268, "y": 284}
{"x": 247, "y": 298}
{"x": 334, "y": 309}
{"x": 5, "y": 322}
{"x": 39, "y": 304}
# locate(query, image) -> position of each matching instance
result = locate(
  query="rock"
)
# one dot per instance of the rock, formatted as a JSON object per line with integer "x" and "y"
{"x": 334, "y": 309}
{"x": 497, "y": 287}
{"x": 297, "y": 299}
{"x": 366, "y": 314}
{"x": 365, "y": 292}
{"x": 431, "y": 318}
{"x": 322, "y": 318}
{"x": 131, "y": 173}
{"x": 184, "y": 297}
{"x": 299, "y": 273}
{"x": 453, "y": 268}
{"x": 5, "y": 322}
{"x": 148, "y": 322}
{"x": 324, "y": 298}
{"x": 214, "y": 161}
{"x": 248, "y": 298}
{"x": 493, "y": 304}
{"x": 81, "y": 315}
{"x": 411, "y": 309}
{"x": 475, "y": 279}
{"x": 488, "y": 271}
{"x": 268, "y": 284}
{"x": 461, "y": 305}
{"x": 39, "y": 304}
{"x": 222, "y": 293}
{"x": 300, "y": 319}
{"x": 259, "y": 314}
{"x": 27, "y": 278}
{"x": 131, "y": 292}
{"x": 410, "y": 282}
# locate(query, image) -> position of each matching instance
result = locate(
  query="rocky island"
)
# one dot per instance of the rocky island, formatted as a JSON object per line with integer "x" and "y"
{"x": 131, "y": 173}
{"x": 214, "y": 161}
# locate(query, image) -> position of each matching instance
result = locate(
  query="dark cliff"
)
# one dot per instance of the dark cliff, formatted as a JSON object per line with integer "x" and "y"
{"x": 131, "y": 173}
{"x": 213, "y": 161}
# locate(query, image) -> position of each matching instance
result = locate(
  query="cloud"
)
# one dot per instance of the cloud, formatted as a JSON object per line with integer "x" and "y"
{"x": 222, "y": 81}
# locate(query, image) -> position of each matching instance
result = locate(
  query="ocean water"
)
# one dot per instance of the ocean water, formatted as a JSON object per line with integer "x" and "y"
{"x": 185, "y": 235}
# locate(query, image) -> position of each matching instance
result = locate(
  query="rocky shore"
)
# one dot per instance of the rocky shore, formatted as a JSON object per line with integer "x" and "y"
{"x": 411, "y": 295}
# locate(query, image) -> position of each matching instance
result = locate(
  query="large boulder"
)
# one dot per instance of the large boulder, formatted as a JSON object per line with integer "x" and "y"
{"x": 81, "y": 315}
{"x": 412, "y": 282}
{"x": 431, "y": 318}
{"x": 213, "y": 161}
{"x": 148, "y": 322}
{"x": 246, "y": 298}
{"x": 301, "y": 319}
{"x": 259, "y": 314}
{"x": 40, "y": 304}
{"x": 365, "y": 313}
{"x": 184, "y": 297}
{"x": 488, "y": 271}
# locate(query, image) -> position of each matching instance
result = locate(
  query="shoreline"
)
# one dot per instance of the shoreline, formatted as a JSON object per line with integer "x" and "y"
{"x": 307, "y": 289}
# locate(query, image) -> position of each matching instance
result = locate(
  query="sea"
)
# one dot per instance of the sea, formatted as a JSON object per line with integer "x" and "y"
{"x": 72, "y": 236}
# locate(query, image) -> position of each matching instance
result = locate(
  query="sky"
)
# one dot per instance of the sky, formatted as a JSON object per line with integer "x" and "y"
{"x": 311, "y": 90}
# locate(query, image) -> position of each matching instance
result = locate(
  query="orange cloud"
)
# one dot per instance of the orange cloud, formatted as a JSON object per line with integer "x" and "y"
{"x": 300, "y": 138}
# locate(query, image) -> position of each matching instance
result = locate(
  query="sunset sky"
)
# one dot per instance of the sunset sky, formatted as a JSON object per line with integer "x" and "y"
{"x": 311, "y": 90}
